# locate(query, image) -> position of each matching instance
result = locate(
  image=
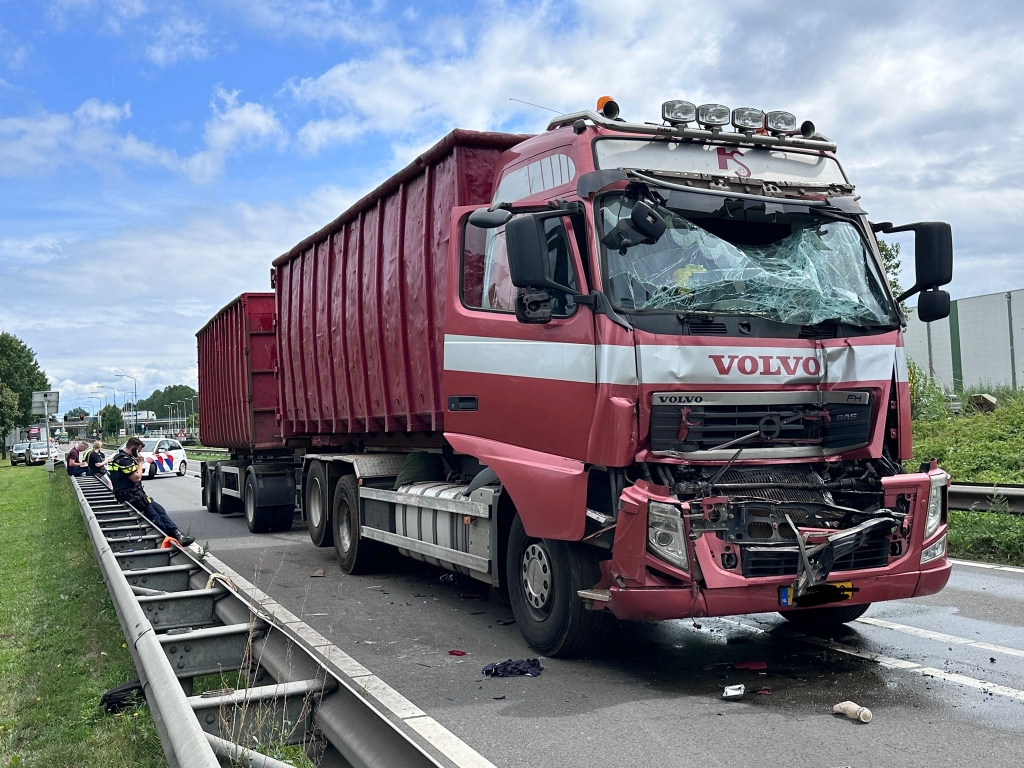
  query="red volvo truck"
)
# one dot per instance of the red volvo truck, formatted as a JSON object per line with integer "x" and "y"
{"x": 634, "y": 370}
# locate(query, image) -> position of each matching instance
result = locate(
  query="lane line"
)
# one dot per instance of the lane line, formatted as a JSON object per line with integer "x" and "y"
{"x": 892, "y": 663}
{"x": 941, "y": 636}
{"x": 440, "y": 738}
{"x": 987, "y": 566}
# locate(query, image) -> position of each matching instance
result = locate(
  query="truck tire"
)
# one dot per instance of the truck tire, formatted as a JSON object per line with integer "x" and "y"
{"x": 355, "y": 554}
{"x": 543, "y": 577}
{"x": 258, "y": 519}
{"x": 317, "y": 518}
{"x": 213, "y": 494}
{"x": 824, "y": 619}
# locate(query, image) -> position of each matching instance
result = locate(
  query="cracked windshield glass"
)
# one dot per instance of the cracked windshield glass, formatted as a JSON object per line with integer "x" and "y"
{"x": 789, "y": 267}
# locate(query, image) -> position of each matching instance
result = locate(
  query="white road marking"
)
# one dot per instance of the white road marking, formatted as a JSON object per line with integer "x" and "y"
{"x": 440, "y": 738}
{"x": 891, "y": 663}
{"x": 988, "y": 566}
{"x": 941, "y": 636}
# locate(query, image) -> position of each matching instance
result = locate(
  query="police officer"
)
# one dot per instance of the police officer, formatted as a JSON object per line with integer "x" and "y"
{"x": 126, "y": 475}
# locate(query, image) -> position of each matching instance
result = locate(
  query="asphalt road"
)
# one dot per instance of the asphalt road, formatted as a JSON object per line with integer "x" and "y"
{"x": 943, "y": 675}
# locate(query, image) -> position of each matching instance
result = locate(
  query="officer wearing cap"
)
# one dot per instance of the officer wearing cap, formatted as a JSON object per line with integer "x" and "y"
{"x": 126, "y": 476}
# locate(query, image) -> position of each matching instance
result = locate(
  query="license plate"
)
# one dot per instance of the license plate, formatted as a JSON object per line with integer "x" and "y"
{"x": 787, "y": 595}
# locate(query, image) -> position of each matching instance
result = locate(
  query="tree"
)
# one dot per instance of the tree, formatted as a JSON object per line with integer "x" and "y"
{"x": 112, "y": 419}
{"x": 891, "y": 260}
{"x": 76, "y": 413}
{"x": 20, "y": 371}
{"x": 160, "y": 399}
{"x": 9, "y": 412}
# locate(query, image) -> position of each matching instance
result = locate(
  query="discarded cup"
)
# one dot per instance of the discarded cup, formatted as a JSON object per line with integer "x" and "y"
{"x": 853, "y": 711}
{"x": 733, "y": 691}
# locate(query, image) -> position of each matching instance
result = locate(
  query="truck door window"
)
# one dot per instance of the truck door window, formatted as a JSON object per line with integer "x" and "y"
{"x": 486, "y": 282}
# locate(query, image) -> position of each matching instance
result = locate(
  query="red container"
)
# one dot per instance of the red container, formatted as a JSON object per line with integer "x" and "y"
{"x": 237, "y": 390}
{"x": 360, "y": 304}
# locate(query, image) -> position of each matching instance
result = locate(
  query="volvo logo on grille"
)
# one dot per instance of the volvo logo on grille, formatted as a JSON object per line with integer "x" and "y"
{"x": 679, "y": 399}
{"x": 769, "y": 427}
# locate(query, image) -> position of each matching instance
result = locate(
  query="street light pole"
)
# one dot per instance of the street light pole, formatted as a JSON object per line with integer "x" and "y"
{"x": 135, "y": 402}
{"x": 184, "y": 410}
{"x": 169, "y": 412}
{"x": 104, "y": 386}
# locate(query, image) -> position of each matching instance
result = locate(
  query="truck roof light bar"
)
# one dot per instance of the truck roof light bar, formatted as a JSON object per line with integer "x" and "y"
{"x": 697, "y": 134}
{"x": 712, "y": 115}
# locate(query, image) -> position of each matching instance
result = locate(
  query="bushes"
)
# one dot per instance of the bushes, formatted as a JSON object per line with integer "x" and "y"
{"x": 986, "y": 536}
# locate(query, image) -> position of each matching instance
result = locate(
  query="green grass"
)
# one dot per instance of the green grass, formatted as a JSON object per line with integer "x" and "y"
{"x": 994, "y": 538}
{"x": 61, "y": 646}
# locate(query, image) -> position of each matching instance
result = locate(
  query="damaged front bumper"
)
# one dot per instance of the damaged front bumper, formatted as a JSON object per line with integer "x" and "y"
{"x": 720, "y": 577}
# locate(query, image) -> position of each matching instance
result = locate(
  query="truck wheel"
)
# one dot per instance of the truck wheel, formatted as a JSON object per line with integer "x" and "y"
{"x": 355, "y": 554}
{"x": 317, "y": 518}
{"x": 213, "y": 494}
{"x": 824, "y": 619}
{"x": 259, "y": 519}
{"x": 543, "y": 578}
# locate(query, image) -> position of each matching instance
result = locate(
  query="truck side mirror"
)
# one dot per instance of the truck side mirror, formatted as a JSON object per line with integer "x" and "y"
{"x": 531, "y": 268}
{"x": 932, "y": 305}
{"x": 933, "y": 256}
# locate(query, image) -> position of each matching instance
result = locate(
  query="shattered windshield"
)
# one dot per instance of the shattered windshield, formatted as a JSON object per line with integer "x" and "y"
{"x": 797, "y": 268}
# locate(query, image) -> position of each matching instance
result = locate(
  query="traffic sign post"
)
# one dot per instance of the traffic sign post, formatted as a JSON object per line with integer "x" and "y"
{"x": 45, "y": 403}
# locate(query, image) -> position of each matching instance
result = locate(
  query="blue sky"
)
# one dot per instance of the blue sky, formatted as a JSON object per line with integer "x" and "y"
{"x": 156, "y": 156}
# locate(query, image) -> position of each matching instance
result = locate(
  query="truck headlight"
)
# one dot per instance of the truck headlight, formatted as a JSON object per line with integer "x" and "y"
{"x": 666, "y": 538}
{"x": 935, "y": 551}
{"x": 934, "y": 514}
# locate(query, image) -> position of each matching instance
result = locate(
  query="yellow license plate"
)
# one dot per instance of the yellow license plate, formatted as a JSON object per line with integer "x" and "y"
{"x": 843, "y": 589}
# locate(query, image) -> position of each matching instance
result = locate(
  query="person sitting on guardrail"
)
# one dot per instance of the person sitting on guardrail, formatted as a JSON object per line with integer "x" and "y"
{"x": 126, "y": 478}
{"x": 74, "y": 464}
{"x": 97, "y": 462}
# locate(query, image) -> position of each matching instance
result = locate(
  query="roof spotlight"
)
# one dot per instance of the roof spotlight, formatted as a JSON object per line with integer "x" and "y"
{"x": 608, "y": 107}
{"x": 780, "y": 122}
{"x": 678, "y": 112}
{"x": 712, "y": 115}
{"x": 747, "y": 118}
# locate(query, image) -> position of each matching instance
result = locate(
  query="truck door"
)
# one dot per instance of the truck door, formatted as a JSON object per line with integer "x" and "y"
{"x": 529, "y": 385}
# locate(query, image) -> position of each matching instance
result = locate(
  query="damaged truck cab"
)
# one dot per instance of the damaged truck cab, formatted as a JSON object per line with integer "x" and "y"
{"x": 633, "y": 370}
{"x": 686, "y": 369}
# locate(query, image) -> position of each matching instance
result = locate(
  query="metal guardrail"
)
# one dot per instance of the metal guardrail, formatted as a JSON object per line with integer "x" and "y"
{"x": 984, "y": 497}
{"x": 182, "y": 620}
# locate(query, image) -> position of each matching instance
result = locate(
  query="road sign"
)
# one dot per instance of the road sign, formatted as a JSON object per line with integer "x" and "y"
{"x": 45, "y": 403}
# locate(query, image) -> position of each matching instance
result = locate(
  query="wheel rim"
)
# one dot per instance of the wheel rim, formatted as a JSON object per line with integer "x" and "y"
{"x": 536, "y": 579}
{"x": 316, "y": 512}
{"x": 250, "y": 507}
{"x": 344, "y": 528}
{"x": 181, "y": 468}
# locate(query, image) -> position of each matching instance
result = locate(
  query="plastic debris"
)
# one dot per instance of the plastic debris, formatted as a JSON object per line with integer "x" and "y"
{"x": 505, "y": 622}
{"x": 733, "y": 692}
{"x": 852, "y": 711}
{"x": 763, "y": 691}
{"x": 456, "y": 653}
{"x": 985, "y": 403}
{"x": 509, "y": 668}
{"x": 750, "y": 665}
{"x": 498, "y": 698}
{"x": 318, "y": 573}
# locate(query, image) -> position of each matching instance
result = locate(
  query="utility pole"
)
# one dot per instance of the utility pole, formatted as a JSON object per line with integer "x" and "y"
{"x": 135, "y": 402}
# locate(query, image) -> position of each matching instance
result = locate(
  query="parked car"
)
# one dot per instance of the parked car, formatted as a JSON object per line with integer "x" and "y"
{"x": 18, "y": 453}
{"x": 164, "y": 456}
{"x": 37, "y": 452}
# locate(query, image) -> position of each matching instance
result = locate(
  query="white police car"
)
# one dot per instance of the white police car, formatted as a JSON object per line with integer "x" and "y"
{"x": 163, "y": 456}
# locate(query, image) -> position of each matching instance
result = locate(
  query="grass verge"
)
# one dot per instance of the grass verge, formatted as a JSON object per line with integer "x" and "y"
{"x": 987, "y": 536}
{"x": 61, "y": 646}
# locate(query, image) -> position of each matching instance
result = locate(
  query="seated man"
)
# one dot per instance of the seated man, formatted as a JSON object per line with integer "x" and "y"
{"x": 126, "y": 476}
{"x": 74, "y": 463}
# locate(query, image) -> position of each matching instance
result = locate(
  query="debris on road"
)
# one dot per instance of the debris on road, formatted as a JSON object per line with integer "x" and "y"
{"x": 456, "y": 652}
{"x": 318, "y": 573}
{"x": 509, "y": 668}
{"x": 763, "y": 691}
{"x": 734, "y": 692}
{"x": 750, "y": 665}
{"x": 498, "y": 698}
{"x": 505, "y": 622}
{"x": 852, "y": 711}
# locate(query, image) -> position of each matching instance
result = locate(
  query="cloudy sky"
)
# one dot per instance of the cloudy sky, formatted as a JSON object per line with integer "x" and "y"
{"x": 156, "y": 156}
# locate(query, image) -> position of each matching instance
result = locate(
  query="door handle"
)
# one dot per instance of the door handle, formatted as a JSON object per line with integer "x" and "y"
{"x": 462, "y": 403}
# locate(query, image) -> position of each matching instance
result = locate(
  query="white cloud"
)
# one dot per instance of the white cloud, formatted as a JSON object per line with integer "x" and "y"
{"x": 233, "y": 128}
{"x": 319, "y": 20}
{"x": 179, "y": 39}
{"x": 14, "y": 54}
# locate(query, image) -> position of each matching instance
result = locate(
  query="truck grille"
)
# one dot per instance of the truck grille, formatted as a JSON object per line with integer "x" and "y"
{"x": 813, "y": 423}
{"x": 769, "y": 561}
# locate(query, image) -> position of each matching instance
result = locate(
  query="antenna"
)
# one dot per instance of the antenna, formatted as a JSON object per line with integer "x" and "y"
{"x": 539, "y": 106}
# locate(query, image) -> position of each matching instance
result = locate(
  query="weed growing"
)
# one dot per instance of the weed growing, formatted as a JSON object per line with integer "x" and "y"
{"x": 992, "y": 537}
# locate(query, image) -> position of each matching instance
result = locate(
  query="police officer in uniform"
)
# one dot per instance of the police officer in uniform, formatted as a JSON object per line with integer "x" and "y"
{"x": 126, "y": 475}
